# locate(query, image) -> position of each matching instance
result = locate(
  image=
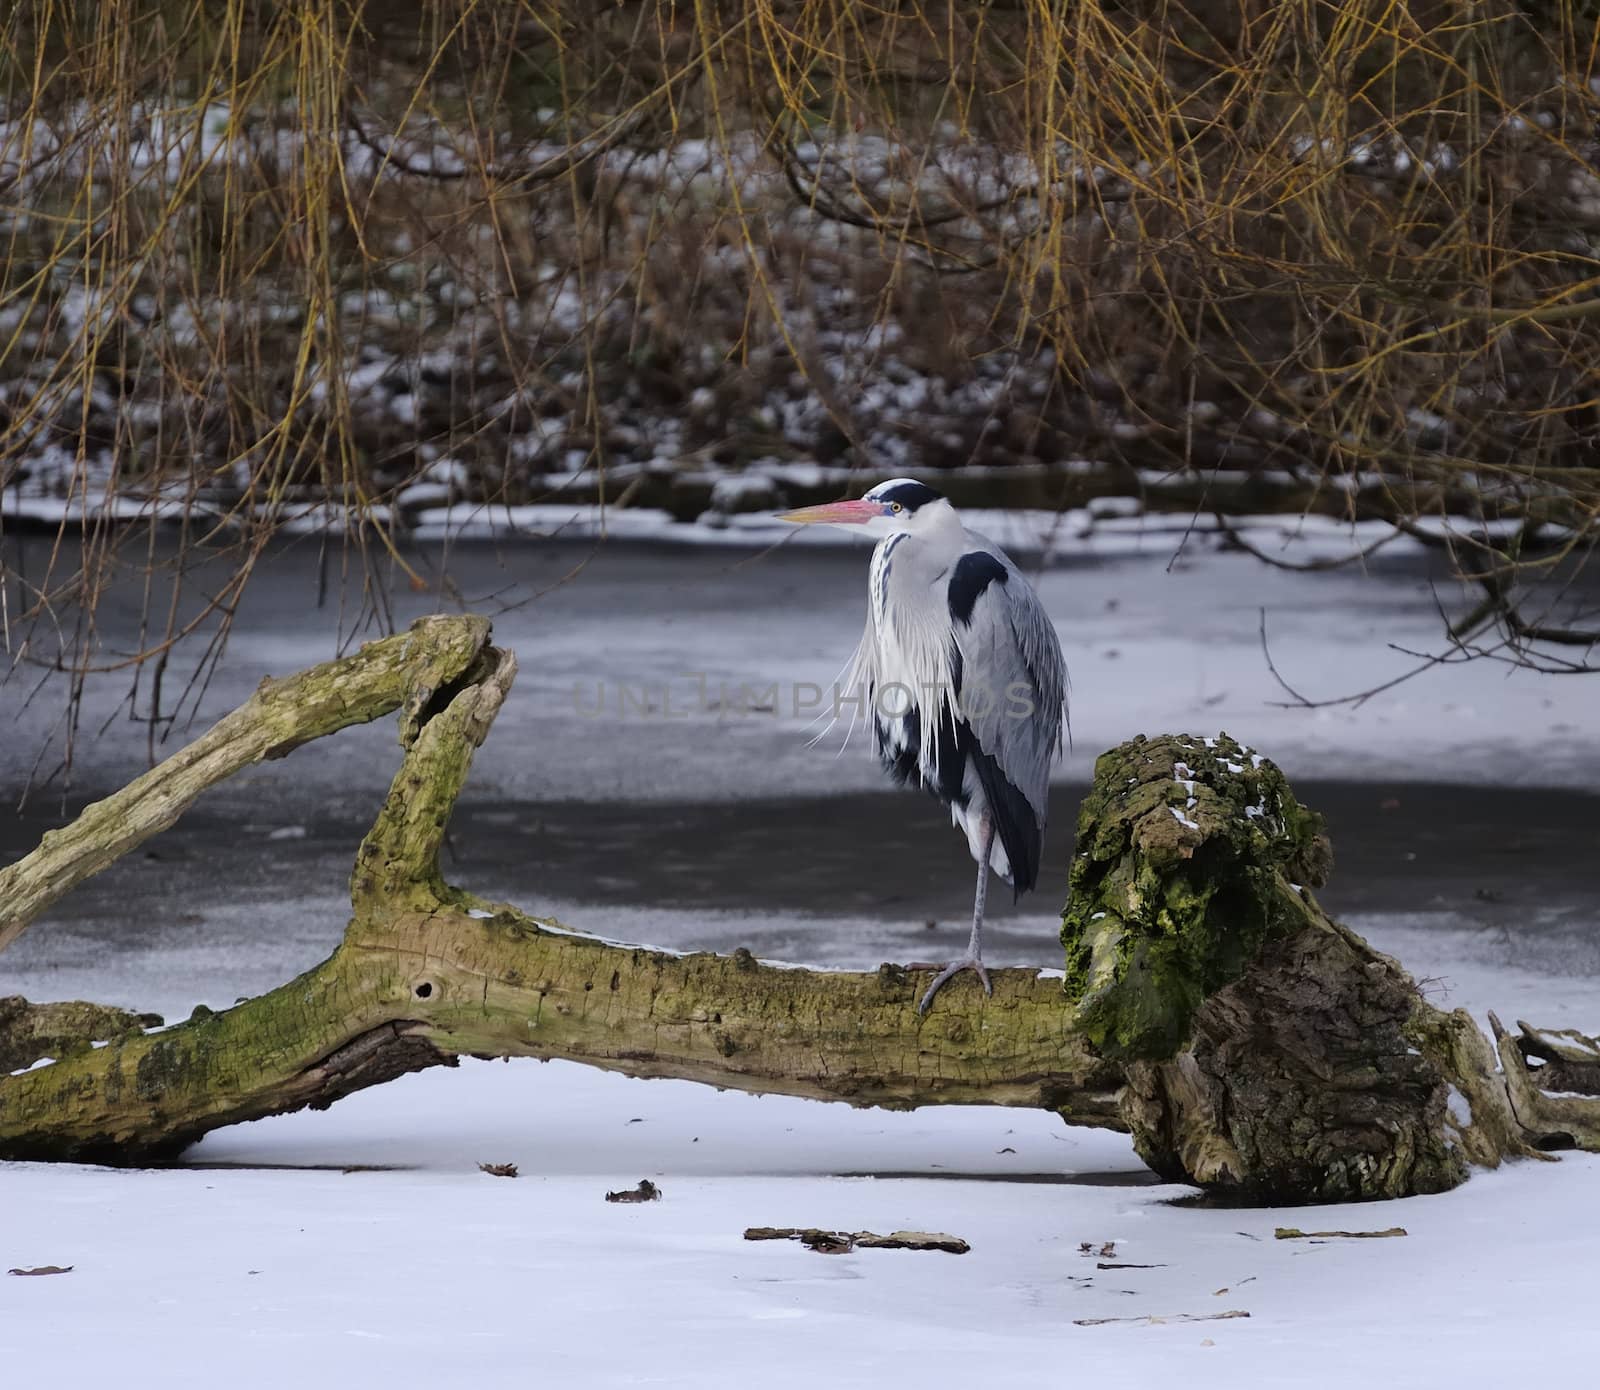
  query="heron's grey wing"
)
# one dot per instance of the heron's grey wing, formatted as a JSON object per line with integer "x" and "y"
{"x": 1012, "y": 686}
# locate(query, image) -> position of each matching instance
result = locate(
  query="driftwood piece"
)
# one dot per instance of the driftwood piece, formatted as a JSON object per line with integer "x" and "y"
{"x": 842, "y": 1242}
{"x": 1158, "y": 1319}
{"x": 1249, "y": 1043}
{"x": 1566, "y": 1059}
{"x": 1295, "y": 1233}
{"x": 1556, "y": 1116}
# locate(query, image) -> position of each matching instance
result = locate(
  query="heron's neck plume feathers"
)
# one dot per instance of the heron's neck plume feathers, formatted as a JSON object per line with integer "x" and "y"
{"x": 904, "y": 664}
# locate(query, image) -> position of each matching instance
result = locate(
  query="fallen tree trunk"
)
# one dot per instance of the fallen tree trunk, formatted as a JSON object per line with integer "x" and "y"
{"x": 1192, "y": 954}
{"x": 427, "y": 973}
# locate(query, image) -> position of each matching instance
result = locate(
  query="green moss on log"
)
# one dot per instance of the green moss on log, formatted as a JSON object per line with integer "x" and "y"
{"x": 31, "y": 1032}
{"x": 1193, "y": 854}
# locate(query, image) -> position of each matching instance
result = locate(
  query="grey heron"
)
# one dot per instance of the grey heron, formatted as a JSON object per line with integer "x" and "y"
{"x": 962, "y": 675}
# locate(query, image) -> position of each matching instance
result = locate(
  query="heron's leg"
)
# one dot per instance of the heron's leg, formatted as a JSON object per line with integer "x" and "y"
{"x": 973, "y": 960}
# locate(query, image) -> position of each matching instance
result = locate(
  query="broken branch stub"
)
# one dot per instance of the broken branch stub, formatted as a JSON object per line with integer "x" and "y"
{"x": 29, "y": 1032}
{"x": 1548, "y": 1107}
{"x": 408, "y": 669}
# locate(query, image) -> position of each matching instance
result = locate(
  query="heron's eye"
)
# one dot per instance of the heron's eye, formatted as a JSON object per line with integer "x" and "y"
{"x": 896, "y": 507}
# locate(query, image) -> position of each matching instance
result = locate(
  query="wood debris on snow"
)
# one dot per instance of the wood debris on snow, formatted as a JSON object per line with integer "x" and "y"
{"x": 1158, "y": 1319}
{"x": 1295, "y": 1233}
{"x": 842, "y": 1242}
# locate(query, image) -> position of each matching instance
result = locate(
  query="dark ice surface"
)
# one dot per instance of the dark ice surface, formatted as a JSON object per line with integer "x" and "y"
{"x": 1470, "y": 803}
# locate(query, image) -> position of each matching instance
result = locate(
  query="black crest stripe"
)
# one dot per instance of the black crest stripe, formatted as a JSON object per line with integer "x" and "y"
{"x": 909, "y": 495}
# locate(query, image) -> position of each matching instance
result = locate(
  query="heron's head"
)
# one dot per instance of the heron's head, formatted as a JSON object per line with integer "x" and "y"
{"x": 901, "y": 504}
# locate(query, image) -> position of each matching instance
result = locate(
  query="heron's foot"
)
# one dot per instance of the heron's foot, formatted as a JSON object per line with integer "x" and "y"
{"x": 948, "y": 973}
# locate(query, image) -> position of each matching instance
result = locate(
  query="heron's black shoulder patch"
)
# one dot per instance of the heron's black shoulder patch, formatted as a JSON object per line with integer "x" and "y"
{"x": 973, "y": 574}
{"x": 909, "y": 494}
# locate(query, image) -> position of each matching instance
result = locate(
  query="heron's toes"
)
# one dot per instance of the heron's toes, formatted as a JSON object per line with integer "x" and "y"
{"x": 948, "y": 973}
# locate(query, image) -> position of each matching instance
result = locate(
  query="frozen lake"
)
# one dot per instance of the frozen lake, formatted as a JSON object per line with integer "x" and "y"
{"x": 1466, "y": 827}
{"x": 651, "y": 777}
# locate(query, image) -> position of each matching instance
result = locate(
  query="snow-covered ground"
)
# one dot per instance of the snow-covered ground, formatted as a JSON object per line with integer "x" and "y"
{"x": 444, "y": 1275}
{"x": 266, "y": 1256}
{"x": 418, "y": 1266}
{"x": 431, "y": 1268}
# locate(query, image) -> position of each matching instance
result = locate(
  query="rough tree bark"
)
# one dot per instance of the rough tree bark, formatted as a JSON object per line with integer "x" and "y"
{"x": 1269, "y": 1051}
{"x": 1247, "y": 1042}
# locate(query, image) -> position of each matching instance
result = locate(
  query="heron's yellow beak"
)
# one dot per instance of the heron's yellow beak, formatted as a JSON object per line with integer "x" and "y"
{"x": 852, "y": 513}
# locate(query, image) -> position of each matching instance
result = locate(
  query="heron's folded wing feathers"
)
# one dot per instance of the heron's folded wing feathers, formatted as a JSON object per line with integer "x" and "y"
{"x": 1013, "y": 688}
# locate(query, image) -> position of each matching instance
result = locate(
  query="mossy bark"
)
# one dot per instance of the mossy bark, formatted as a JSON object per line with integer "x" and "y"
{"x": 1249, "y": 1043}
{"x": 431, "y": 986}
{"x": 1192, "y": 856}
{"x": 29, "y": 1032}
{"x": 1270, "y": 1053}
{"x": 1298, "y": 1083}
